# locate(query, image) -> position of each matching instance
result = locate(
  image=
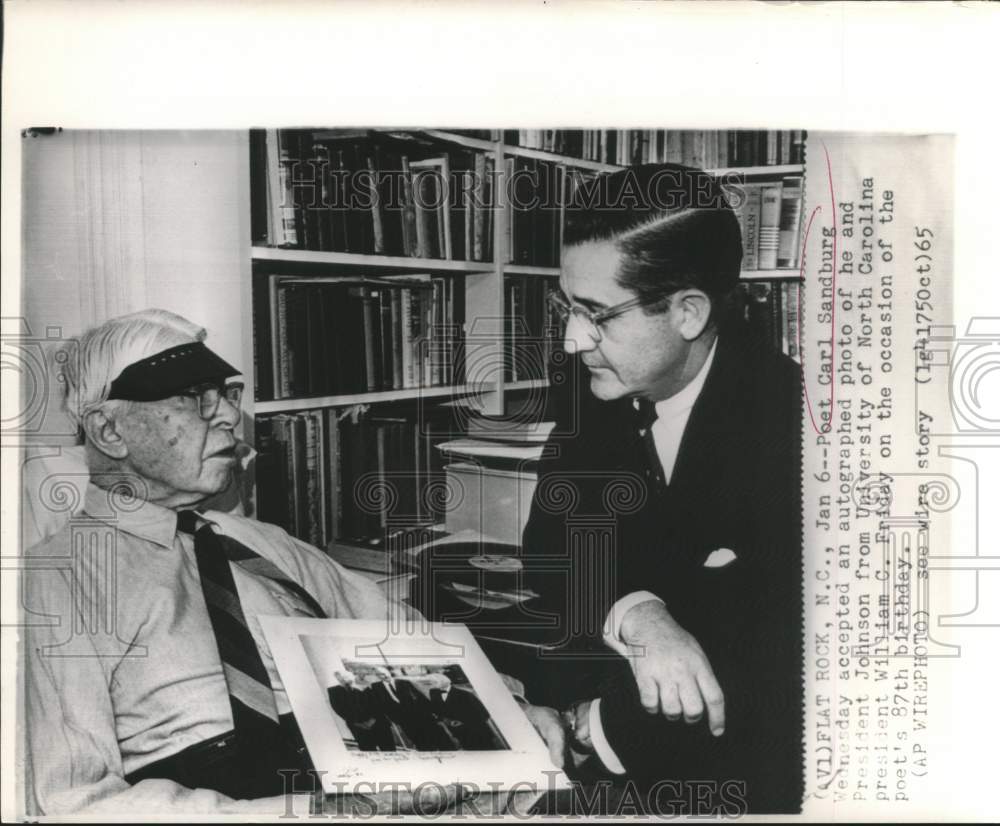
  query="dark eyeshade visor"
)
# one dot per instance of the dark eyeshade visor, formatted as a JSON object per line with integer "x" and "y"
{"x": 166, "y": 373}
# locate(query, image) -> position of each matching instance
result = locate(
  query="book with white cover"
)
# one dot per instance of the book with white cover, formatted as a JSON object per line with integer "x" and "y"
{"x": 492, "y": 450}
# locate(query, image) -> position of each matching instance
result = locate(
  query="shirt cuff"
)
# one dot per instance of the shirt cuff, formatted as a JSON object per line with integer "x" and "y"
{"x": 613, "y": 623}
{"x": 600, "y": 742}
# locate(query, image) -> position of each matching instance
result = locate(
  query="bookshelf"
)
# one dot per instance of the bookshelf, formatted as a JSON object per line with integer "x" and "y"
{"x": 473, "y": 260}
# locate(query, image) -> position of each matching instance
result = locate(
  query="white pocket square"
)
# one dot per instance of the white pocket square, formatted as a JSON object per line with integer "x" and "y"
{"x": 719, "y": 558}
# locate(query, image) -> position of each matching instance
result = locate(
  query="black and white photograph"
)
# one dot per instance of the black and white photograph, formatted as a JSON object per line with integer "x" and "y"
{"x": 562, "y": 442}
{"x": 406, "y": 702}
{"x": 403, "y": 707}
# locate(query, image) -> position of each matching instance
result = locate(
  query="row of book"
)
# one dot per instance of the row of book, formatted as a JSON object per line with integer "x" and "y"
{"x": 773, "y": 311}
{"x": 373, "y": 193}
{"x": 327, "y": 335}
{"x": 347, "y": 475}
{"x": 705, "y": 149}
{"x": 770, "y": 216}
{"x": 533, "y": 328}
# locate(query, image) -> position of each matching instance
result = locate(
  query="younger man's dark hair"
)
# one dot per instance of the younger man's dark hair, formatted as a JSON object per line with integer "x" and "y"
{"x": 673, "y": 225}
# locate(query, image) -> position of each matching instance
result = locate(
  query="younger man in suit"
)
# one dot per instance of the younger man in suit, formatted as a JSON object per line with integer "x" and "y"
{"x": 679, "y": 546}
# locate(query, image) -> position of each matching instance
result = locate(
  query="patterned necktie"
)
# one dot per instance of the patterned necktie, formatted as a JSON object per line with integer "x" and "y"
{"x": 250, "y": 692}
{"x": 646, "y": 417}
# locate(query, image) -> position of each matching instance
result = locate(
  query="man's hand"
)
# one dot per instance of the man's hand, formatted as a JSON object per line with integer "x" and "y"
{"x": 430, "y": 799}
{"x": 671, "y": 671}
{"x": 550, "y": 726}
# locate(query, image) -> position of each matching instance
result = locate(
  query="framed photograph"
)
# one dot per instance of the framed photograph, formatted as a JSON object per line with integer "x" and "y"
{"x": 419, "y": 705}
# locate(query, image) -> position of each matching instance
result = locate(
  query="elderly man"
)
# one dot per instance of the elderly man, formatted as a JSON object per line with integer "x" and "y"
{"x": 149, "y": 686}
{"x": 681, "y": 538}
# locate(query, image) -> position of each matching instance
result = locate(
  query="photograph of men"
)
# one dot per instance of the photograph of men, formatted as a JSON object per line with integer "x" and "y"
{"x": 353, "y": 701}
{"x": 412, "y": 707}
{"x": 665, "y": 528}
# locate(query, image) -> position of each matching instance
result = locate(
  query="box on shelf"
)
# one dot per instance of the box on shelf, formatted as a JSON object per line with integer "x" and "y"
{"x": 493, "y": 501}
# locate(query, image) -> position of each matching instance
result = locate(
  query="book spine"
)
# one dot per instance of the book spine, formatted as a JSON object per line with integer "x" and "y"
{"x": 798, "y": 147}
{"x": 283, "y": 437}
{"x": 305, "y": 183}
{"x": 510, "y": 224}
{"x": 785, "y": 147}
{"x": 687, "y": 148}
{"x": 426, "y": 340}
{"x": 372, "y": 335}
{"x": 290, "y": 217}
{"x": 788, "y": 226}
{"x": 435, "y": 332}
{"x": 423, "y": 216}
{"x": 777, "y": 321}
{"x": 439, "y": 212}
{"x": 783, "y": 317}
{"x": 297, "y": 340}
{"x": 674, "y": 148}
{"x": 750, "y": 213}
{"x": 267, "y": 507}
{"x": 792, "y": 320}
{"x": 444, "y": 210}
{"x": 771, "y": 149}
{"x": 378, "y": 229}
{"x": 334, "y": 480}
{"x": 324, "y": 209}
{"x": 263, "y": 341}
{"x": 318, "y": 370}
{"x": 396, "y": 310}
{"x": 409, "y": 215}
{"x": 296, "y": 451}
{"x": 385, "y": 311}
{"x": 311, "y": 478}
{"x": 273, "y": 188}
{"x": 284, "y": 371}
{"x": 468, "y": 214}
{"x": 489, "y": 202}
{"x": 260, "y": 201}
{"x": 478, "y": 211}
{"x": 770, "y": 216}
{"x": 406, "y": 342}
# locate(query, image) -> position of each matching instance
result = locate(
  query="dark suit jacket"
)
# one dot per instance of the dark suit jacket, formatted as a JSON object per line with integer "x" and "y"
{"x": 364, "y": 715}
{"x": 467, "y": 719}
{"x": 415, "y": 715}
{"x": 736, "y": 485}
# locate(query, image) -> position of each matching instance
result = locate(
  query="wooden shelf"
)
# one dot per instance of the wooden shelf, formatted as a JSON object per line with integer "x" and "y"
{"x": 526, "y": 384}
{"x": 761, "y": 171}
{"x": 293, "y": 405}
{"x": 483, "y": 145}
{"x": 451, "y": 137}
{"x": 554, "y": 157}
{"x": 527, "y": 269}
{"x": 357, "y": 260}
{"x": 790, "y": 274}
{"x": 513, "y": 149}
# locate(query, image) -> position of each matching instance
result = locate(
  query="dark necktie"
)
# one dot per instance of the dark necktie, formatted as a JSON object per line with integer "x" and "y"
{"x": 646, "y": 418}
{"x": 250, "y": 692}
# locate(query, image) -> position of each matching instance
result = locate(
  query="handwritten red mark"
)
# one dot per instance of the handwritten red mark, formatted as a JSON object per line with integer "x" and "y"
{"x": 825, "y": 428}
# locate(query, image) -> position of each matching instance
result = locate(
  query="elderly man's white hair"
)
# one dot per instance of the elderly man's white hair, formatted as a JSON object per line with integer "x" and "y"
{"x": 106, "y": 350}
